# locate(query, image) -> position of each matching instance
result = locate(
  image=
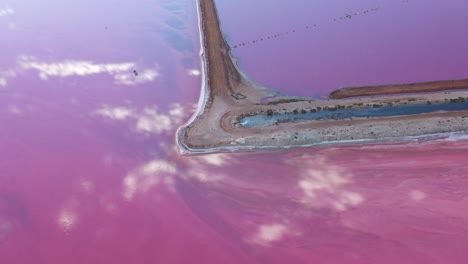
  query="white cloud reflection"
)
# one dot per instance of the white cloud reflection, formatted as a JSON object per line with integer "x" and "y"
{"x": 123, "y": 73}
{"x": 324, "y": 185}
{"x": 194, "y": 72}
{"x": 129, "y": 78}
{"x": 67, "y": 219}
{"x": 6, "y": 12}
{"x": 162, "y": 171}
{"x": 147, "y": 120}
{"x": 70, "y": 68}
{"x": 218, "y": 160}
{"x": 4, "y": 76}
{"x": 417, "y": 195}
{"x": 116, "y": 113}
{"x": 266, "y": 234}
{"x": 147, "y": 176}
{"x": 150, "y": 120}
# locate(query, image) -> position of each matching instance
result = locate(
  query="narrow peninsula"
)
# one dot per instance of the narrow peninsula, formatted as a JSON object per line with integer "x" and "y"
{"x": 232, "y": 116}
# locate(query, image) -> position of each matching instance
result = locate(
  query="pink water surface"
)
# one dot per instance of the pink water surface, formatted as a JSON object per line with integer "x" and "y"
{"x": 400, "y": 42}
{"x": 89, "y": 171}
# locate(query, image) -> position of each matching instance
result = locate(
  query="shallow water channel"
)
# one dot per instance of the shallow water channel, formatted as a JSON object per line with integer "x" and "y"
{"x": 415, "y": 109}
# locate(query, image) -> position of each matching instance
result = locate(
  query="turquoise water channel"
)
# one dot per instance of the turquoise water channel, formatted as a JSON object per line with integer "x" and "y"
{"x": 263, "y": 120}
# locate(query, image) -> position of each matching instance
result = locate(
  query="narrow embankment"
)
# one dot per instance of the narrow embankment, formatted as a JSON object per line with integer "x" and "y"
{"x": 424, "y": 87}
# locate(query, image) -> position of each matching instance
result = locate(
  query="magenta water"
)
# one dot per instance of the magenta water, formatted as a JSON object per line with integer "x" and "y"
{"x": 91, "y": 94}
{"x": 311, "y": 48}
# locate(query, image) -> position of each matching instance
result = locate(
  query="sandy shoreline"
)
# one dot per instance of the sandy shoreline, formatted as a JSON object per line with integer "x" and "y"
{"x": 228, "y": 96}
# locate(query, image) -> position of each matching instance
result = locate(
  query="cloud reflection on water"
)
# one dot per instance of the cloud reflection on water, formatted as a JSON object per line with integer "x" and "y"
{"x": 323, "y": 184}
{"x": 194, "y": 72}
{"x": 147, "y": 120}
{"x": 417, "y": 195}
{"x": 130, "y": 78}
{"x": 267, "y": 234}
{"x": 148, "y": 176}
{"x": 6, "y": 11}
{"x": 71, "y": 67}
{"x": 124, "y": 73}
{"x": 4, "y": 76}
{"x": 68, "y": 217}
{"x": 162, "y": 170}
{"x": 166, "y": 173}
{"x": 116, "y": 113}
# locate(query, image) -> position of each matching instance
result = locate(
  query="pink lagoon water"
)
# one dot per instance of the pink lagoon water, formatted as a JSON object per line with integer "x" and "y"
{"x": 91, "y": 94}
{"x": 323, "y": 45}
